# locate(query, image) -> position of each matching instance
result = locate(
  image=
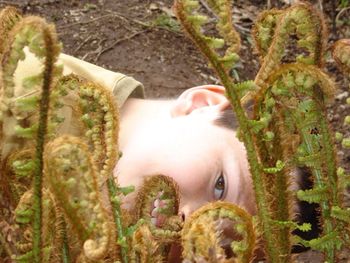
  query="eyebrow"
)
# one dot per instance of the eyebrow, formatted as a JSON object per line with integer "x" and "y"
{"x": 227, "y": 119}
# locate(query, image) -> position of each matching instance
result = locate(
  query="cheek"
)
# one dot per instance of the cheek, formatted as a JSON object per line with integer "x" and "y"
{"x": 188, "y": 179}
{"x": 193, "y": 174}
{"x": 192, "y": 168}
{"x": 240, "y": 185}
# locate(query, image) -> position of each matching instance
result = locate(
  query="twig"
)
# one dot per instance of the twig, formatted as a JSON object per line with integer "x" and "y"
{"x": 268, "y": 4}
{"x": 205, "y": 5}
{"x": 320, "y": 5}
{"x": 136, "y": 21}
{"x": 147, "y": 25}
{"x": 82, "y": 44}
{"x": 115, "y": 14}
{"x": 337, "y": 18}
{"x": 242, "y": 29}
{"x": 97, "y": 50}
{"x": 334, "y": 19}
{"x": 111, "y": 46}
{"x": 84, "y": 22}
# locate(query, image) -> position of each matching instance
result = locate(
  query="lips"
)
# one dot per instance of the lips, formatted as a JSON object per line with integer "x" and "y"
{"x": 159, "y": 206}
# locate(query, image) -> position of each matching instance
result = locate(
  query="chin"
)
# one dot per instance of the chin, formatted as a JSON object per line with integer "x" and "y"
{"x": 174, "y": 255}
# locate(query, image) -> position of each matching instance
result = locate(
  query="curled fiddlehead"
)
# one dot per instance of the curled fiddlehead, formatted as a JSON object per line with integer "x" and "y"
{"x": 40, "y": 38}
{"x": 9, "y": 16}
{"x": 296, "y": 98}
{"x": 279, "y": 140}
{"x": 157, "y": 200}
{"x": 341, "y": 54}
{"x": 264, "y": 29}
{"x": 303, "y": 21}
{"x": 97, "y": 115}
{"x": 274, "y": 30}
{"x": 71, "y": 175}
{"x": 157, "y": 205}
{"x": 21, "y": 99}
{"x": 271, "y": 137}
{"x": 189, "y": 20}
{"x": 52, "y": 234}
{"x": 192, "y": 22}
{"x": 203, "y": 234}
{"x": 145, "y": 247}
{"x": 225, "y": 25}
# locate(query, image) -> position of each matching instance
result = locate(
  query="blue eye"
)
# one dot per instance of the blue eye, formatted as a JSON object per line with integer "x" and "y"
{"x": 219, "y": 188}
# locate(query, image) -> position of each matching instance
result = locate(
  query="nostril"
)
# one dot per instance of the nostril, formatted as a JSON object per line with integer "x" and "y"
{"x": 182, "y": 215}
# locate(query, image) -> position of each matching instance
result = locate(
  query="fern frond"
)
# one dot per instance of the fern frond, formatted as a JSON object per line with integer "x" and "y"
{"x": 326, "y": 242}
{"x": 341, "y": 54}
{"x": 71, "y": 175}
{"x": 341, "y": 214}
{"x": 202, "y": 233}
{"x": 315, "y": 195}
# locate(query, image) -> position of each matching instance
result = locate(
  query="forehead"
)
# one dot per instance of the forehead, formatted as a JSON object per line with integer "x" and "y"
{"x": 192, "y": 152}
{"x": 180, "y": 141}
{"x": 196, "y": 136}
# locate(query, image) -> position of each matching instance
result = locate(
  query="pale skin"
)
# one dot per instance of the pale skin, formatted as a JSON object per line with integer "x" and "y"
{"x": 178, "y": 138}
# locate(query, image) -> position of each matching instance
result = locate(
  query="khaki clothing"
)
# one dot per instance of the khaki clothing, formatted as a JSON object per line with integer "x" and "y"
{"x": 122, "y": 87}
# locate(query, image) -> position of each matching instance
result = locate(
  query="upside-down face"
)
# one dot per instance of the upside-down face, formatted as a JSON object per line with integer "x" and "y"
{"x": 207, "y": 162}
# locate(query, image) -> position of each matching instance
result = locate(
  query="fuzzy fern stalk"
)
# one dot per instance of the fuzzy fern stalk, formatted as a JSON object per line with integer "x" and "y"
{"x": 300, "y": 111}
{"x": 203, "y": 236}
{"x": 341, "y": 55}
{"x": 41, "y": 41}
{"x": 157, "y": 220}
{"x": 309, "y": 28}
{"x": 289, "y": 126}
{"x": 9, "y": 16}
{"x": 71, "y": 175}
{"x": 52, "y": 234}
{"x": 272, "y": 33}
{"x": 192, "y": 22}
{"x": 99, "y": 116}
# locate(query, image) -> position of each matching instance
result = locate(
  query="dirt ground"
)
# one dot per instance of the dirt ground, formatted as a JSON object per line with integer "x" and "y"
{"x": 140, "y": 38}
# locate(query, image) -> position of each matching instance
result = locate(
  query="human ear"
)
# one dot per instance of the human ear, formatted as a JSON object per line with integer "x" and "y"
{"x": 200, "y": 99}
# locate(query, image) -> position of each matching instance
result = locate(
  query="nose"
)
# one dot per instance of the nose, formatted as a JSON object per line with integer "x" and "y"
{"x": 182, "y": 215}
{"x": 185, "y": 212}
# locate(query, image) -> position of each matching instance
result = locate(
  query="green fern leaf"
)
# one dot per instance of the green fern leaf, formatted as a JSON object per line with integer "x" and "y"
{"x": 314, "y": 195}
{"x": 341, "y": 214}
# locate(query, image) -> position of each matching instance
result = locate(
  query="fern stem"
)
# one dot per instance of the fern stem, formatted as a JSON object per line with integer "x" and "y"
{"x": 330, "y": 160}
{"x": 319, "y": 182}
{"x": 5, "y": 246}
{"x": 331, "y": 167}
{"x": 42, "y": 129}
{"x": 282, "y": 194}
{"x": 112, "y": 189}
{"x": 255, "y": 167}
{"x": 255, "y": 170}
{"x": 65, "y": 247}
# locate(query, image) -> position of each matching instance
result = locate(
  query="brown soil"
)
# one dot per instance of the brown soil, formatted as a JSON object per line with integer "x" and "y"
{"x": 124, "y": 36}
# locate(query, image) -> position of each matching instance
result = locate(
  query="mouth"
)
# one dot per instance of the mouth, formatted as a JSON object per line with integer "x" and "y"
{"x": 158, "y": 210}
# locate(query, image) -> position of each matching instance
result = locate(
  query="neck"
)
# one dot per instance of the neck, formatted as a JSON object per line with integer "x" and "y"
{"x": 138, "y": 113}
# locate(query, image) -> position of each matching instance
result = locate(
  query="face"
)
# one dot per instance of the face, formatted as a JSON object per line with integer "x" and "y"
{"x": 207, "y": 162}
